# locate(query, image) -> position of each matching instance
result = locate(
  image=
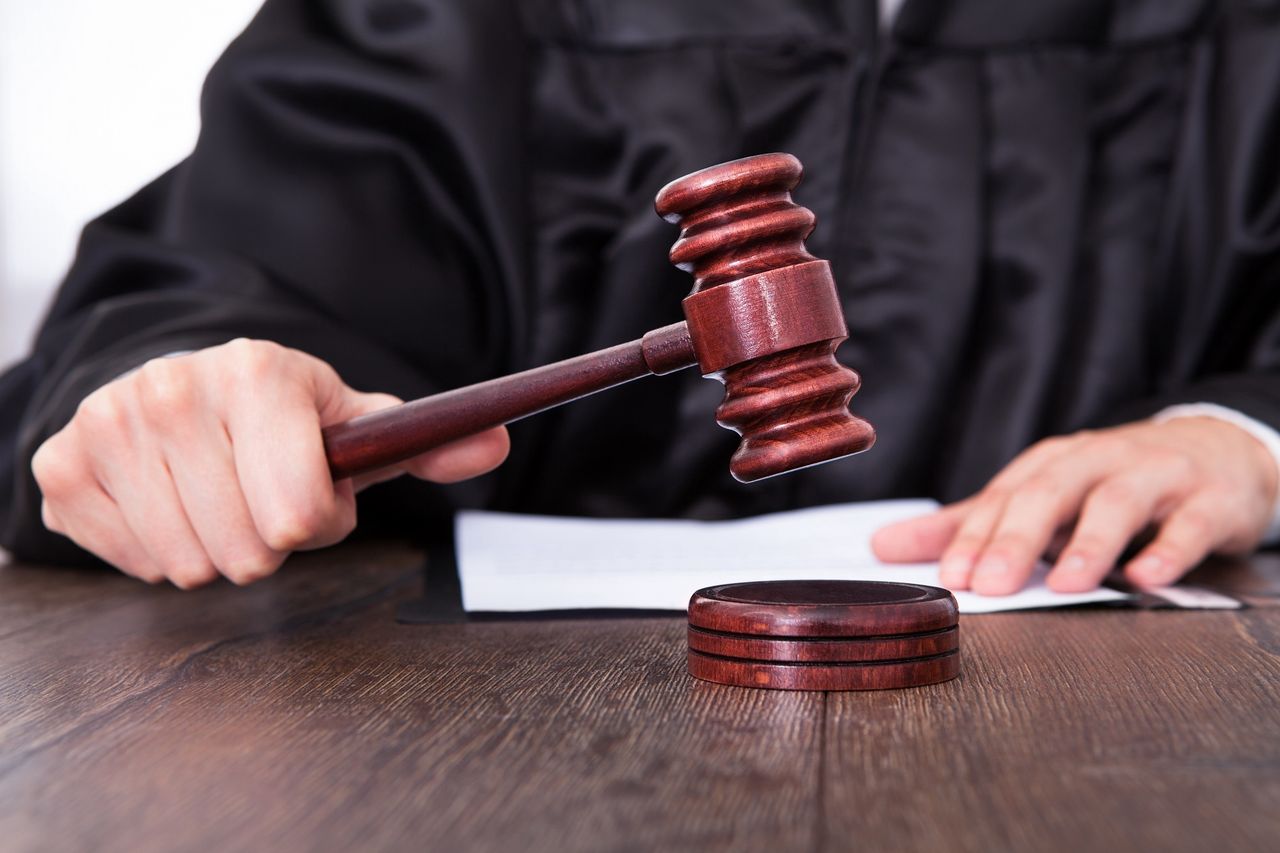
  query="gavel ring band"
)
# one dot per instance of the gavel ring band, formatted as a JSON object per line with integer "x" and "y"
{"x": 764, "y": 314}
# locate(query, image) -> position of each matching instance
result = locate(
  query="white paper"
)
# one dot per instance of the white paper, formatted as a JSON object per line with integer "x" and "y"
{"x": 527, "y": 562}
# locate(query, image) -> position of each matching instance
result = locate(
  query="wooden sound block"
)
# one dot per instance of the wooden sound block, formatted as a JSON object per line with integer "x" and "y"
{"x": 831, "y": 608}
{"x": 824, "y": 635}
{"x": 809, "y": 676}
{"x": 828, "y": 650}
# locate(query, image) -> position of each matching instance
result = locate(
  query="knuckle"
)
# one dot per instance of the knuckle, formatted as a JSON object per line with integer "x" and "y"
{"x": 1195, "y": 525}
{"x": 48, "y": 518}
{"x": 967, "y": 543}
{"x": 166, "y": 387}
{"x": 103, "y": 412}
{"x": 1182, "y": 466}
{"x": 253, "y": 359}
{"x": 191, "y": 575}
{"x": 995, "y": 494}
{"x": 1012, "y": 542}
{"x": 1091, "y": 544}
{"x": 141, "y": 570}
{"x": 288, "y": 531}
{"x": 1051, "y": 444}
{"x": 1104, "y": 443}
{"x": 55, "y": 472}
{"x": 1114, "y": 494}
{"x": 246, "y": 570}
{"x": 1040, "y": 489}
{"x": 1111, "y": 444}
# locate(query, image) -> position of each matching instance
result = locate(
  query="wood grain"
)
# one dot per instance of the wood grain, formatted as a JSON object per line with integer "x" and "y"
{"x": 340, "y": 729}
{"x": 1089, "y": 730}
{"x": 296, "y": 714}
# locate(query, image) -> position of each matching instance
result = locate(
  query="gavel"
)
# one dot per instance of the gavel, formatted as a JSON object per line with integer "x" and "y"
{"x": 763, "y": 318}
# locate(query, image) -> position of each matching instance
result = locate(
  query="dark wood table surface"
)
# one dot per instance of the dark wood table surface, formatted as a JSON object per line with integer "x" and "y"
{"x": 298, "y": 714}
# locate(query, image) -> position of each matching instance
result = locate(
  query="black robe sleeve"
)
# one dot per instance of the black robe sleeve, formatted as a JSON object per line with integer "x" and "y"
{"x": 354, "y": 193}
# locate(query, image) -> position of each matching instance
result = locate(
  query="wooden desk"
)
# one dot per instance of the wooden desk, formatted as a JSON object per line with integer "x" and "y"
{"x": 296, "y": 714}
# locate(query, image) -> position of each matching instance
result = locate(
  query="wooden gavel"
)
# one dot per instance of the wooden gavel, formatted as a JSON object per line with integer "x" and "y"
{"x": 763, "y": 318}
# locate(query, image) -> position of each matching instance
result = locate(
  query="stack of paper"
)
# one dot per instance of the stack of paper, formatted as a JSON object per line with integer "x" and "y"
{"x": 524, "y": 562}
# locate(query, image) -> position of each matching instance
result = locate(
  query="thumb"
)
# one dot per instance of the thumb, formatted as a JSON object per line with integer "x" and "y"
{"x": 341, "y": 402}
{"x": 336, "y": 402}
{"x": 458, "y": 460}
{"x": 462, "y": 459}
{"x": 467, "y": 457}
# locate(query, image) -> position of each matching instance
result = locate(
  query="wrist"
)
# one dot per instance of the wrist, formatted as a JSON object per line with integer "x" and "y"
{"x": 1262, "y": 442}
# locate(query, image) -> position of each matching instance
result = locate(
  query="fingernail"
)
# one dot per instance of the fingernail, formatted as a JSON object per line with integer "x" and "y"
{"x": 1072, "y": 564}
{"x": 954, "y": 568}
{"x": 1151, "y": 568}
{"x": 992, "y": 567}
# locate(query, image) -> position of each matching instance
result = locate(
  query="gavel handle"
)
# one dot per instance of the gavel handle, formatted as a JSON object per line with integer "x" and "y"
{"x": 393, "y": 435}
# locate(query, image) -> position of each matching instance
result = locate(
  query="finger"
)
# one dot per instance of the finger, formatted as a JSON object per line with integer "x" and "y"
{"x": 1035, "y": 457}
{"x": 285, "y": 480}
{"x": 194, "y": 449}
{"x": 94, "y": 523}
{"x": 957, "y": 564}
{"x": 919, "y": 540}
{"x": 458, "y": 460}
{"x": 1114, "y": 513}
{"x": 960, "y": 557}
{"x": 204, "y": 474}
{"x": 133, "y": 474}
{"x": 142, "y": 487}
{"x": 360, "y": 482}
{"x": 273, "y": 419}
{"x": 150, "y": 513}
{"x": 1032, "y": 516}
{"x": 75, "y": 506}
{"x": 1186, "y": 537}
{"x": 1036, "y": 509}
{"x": 464, "y": 458}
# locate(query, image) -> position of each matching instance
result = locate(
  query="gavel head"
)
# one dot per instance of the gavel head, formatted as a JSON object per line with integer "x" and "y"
{"x": 764, "y": 315}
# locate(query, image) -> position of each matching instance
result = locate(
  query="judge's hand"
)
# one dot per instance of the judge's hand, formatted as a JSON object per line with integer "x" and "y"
{"x": 212, "y": 463}
{"x": 1205, "y": 485}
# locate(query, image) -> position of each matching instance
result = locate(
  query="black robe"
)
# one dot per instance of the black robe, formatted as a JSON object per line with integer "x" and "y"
{"x": 1042, "y": 216}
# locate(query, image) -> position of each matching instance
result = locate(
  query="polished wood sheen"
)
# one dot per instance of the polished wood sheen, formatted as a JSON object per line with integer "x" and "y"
{"x": 764, "y": 315}
{"x": 764, "y": 318}
{"x": 823, "y": 608}
{"x": 770, "y": 675}
{"x": 824, "y": 635}
{"x": 297, "y": 715}
{"x": 829, "y": 649}
{"x": 392, "y": 435}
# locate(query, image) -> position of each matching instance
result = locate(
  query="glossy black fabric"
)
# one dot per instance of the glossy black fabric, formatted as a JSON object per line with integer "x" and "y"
{"x": 1043, "y": 216}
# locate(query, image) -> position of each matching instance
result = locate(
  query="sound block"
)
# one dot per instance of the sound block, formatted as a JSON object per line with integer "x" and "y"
{"x": 824, "y": 635}
{"x": 826, "y": 650}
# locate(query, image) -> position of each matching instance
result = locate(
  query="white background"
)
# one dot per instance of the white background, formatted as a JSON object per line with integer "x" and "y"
{"x": 97, "y": 97}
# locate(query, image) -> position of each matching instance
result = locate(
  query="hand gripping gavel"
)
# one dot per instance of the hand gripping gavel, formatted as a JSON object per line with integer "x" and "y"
{"x": 763, "y": 318}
